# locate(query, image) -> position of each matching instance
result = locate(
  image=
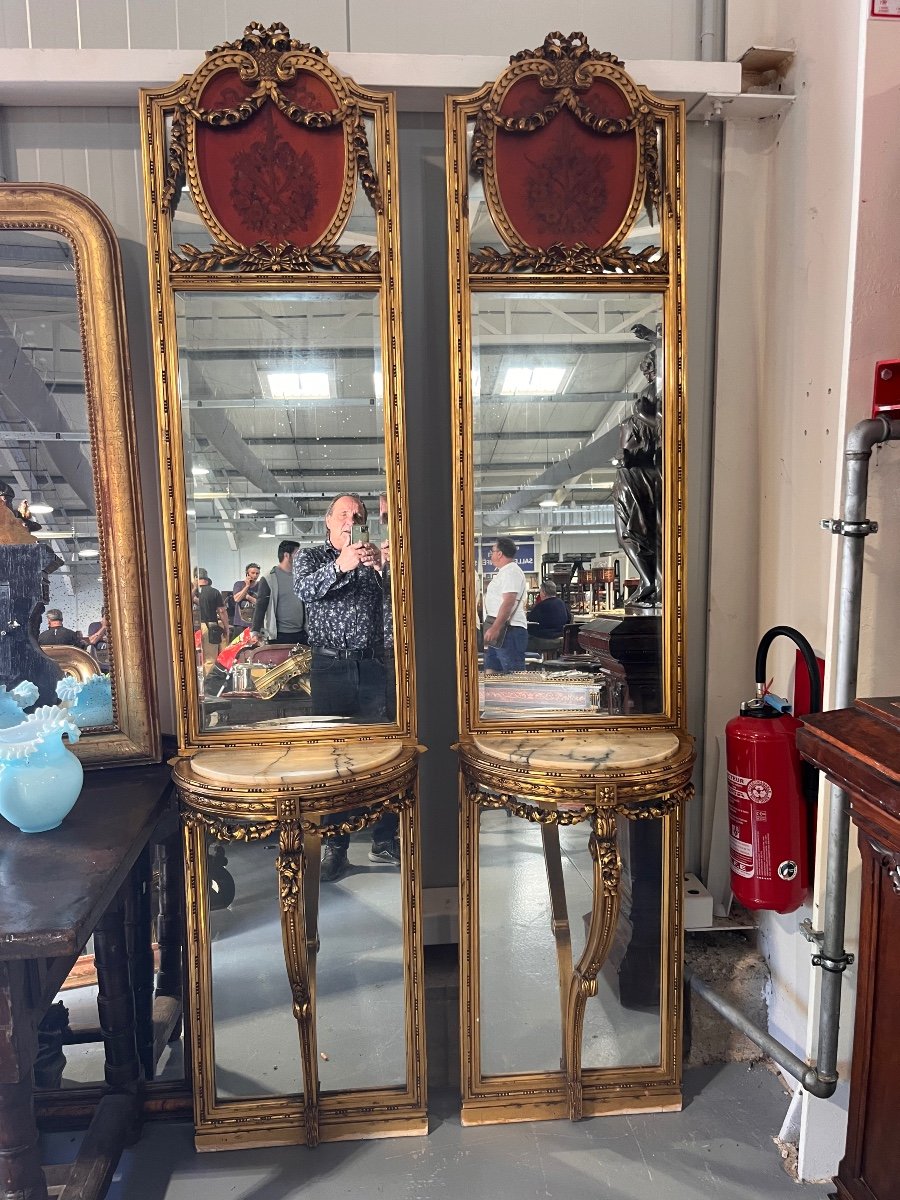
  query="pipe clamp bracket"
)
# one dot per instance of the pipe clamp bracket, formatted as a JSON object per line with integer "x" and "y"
{"x": 857, "y": 529}
{"x": 836, "y": 965}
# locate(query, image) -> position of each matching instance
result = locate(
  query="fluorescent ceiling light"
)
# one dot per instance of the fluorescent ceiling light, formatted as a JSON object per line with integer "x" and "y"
{"x": 210, "y": 495}
{"x": 531, "y": 381}
{"x": 41, "y": 509}
{"x": 199, "y": 470}
{"x": 548, "y": 504}
{"x": 87, "y": 552}
{"x": 299, "y": 385}
{"x": 248, "y": 511}
{"x": 265, "y": 534}
{"x": 48, "y": 535}
{"x": 191, "y": 512}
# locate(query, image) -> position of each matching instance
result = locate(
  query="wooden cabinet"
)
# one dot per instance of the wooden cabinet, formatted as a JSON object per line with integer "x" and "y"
{"x": 859, "y": 750}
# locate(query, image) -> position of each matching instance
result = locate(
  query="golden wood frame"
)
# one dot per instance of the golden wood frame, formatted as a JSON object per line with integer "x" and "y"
{"x": 324, "y": 267}
{"x": 553, "y": 799}
{"x": 114, "y": 458}
{"x": 576, "y": 269}
{"x": 294, "y": 815}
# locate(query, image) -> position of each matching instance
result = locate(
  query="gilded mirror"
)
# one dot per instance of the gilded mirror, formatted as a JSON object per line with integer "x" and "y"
{"x": 568, "y": 363}
{"x": 276, "y": 284}
{"x": 74, "y": 611}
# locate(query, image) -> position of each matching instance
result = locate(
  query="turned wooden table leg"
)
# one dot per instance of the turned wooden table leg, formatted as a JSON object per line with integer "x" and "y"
{"x": 559, "y": 922}
{"x": 138, "y": 937}
{"x": 21, "y": 1177}
{"x": 603, "y": 920}
{"x": 168, "y": 1002}
{"x": 291, "y": 866}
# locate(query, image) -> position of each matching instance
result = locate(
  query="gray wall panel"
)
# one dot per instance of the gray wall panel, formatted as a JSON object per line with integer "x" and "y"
{"x": 53, "y": 23}
{"x": 104, "y": 25}
{"x": 13, "y": 24}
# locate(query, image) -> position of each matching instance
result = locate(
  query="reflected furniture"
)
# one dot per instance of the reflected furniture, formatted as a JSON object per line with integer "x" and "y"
{"x": 858, "y": 749}
{"x": 99, "y": 860}
{"x": 66, "y": 406}
{"x": 275, "y": 278}
{"x": 565, "y": 183}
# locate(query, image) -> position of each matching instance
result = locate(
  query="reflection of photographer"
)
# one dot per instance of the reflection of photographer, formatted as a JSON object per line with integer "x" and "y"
{"x": 340, "y": 585}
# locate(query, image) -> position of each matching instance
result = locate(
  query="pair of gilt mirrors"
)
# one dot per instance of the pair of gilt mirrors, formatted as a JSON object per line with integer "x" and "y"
{"x": 274, "y": 255}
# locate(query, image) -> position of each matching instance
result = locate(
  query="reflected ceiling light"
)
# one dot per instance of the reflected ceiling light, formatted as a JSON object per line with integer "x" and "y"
{"x": 210, "y": 495}
{"x": 41, "y": 509}
{"x": 378, "y": 384}
{"x": 548, "y": 503}
{"x": 248, "y": 511}
{"x": 299, "y": 385}
{"x": 265, "y": 533}
{"x": 199, "y": 470}
{"x": 191, "y": 512}
{"x": 88, "y": 552}
{"x": 531, "y": 381}
{"x": 47, "y": 535}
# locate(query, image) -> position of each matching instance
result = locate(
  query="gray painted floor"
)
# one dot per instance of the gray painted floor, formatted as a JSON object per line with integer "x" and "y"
{"x": 720, "y": 1146}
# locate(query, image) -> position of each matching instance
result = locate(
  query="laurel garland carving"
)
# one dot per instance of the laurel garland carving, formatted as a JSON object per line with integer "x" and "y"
{"x": 281, "y": 259}
{"x": 175, "y": 162}
{"x": 569, "y": 260}
{"x": 229, "y": 831}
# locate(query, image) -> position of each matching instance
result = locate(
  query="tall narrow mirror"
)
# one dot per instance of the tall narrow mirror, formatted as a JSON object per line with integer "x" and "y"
{"x": 74, "y": 613}
{"x": 279, "y": 373}
{"x": 569, "y": 379}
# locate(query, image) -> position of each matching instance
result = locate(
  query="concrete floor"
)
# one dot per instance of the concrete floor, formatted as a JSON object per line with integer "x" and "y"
{"x": 719, "y": 1145}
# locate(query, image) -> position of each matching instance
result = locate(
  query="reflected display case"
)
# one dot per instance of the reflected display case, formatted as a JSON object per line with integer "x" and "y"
{"x": 275, "y": 286}
{"x": 567, "y": 337}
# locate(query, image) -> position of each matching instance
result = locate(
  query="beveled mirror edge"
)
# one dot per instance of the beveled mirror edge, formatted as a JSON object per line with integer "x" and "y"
{"x": 380, "y": 106}
{"x": 670, "y": 284}
{"x": 114, "y": 454}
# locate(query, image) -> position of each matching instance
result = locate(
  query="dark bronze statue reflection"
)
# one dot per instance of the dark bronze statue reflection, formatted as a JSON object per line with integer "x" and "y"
{"x": 637, "y": 493}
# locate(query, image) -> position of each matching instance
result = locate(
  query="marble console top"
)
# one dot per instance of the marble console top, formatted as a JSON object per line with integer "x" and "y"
{"x": 581, "y": 751}
{"x": 280, "y": 765}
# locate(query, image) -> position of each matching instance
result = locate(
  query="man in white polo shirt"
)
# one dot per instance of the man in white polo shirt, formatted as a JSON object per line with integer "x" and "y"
{"x": 505, "y": 623}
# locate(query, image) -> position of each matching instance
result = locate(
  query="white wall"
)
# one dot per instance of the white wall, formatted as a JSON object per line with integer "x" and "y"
{"x": 633, "y": 28}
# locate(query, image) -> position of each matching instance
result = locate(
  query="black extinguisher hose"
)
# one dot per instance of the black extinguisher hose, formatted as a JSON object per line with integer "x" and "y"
{"x": 809, "y": 773}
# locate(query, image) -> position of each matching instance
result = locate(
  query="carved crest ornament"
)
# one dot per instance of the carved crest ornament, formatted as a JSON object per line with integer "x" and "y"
{"x": 566, "y": 146}
{"x": 270, "y": 141}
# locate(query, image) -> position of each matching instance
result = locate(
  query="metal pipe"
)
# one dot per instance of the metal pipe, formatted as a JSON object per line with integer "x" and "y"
{"x": 821, "y": 1080}
{"x": 707, "y": 29}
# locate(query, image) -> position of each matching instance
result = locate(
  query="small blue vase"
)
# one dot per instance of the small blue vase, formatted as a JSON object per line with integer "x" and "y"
{"x": 40, "y": 777}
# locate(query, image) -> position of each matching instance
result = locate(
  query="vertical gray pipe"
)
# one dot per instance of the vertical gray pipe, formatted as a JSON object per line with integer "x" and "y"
{"x": 860, "y": 441}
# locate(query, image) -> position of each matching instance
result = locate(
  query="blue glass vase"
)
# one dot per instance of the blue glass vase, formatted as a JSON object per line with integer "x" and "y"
{"x": 40, "y": 777}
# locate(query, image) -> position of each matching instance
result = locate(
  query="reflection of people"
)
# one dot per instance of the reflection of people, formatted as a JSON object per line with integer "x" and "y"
{"x": 244, "y": 593}
{"x": 97, "y": 640}
{"x": 21, "y": 511}
{"x": 213, "y": 616}
{"x": 278, "y": 612}
{"x": 547, "y": 619}
{"x": 56, "y": 634}
{"x": 340, "y": 586}
{"x": 505, "y": 623}
{"x": 637, "y": 493}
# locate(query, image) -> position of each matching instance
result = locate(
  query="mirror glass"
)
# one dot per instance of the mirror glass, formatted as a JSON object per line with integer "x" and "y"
{"x": 46, "y": 472}
{"x": 521, "y": 1023}
{"x": 257, "y": 1051}
{"x": 360, "y": 982}
{"x": 284, "y": 466}
{"x": 567, "y": 471}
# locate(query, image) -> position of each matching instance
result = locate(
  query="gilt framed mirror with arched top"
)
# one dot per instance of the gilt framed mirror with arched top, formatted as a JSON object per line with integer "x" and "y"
{"x": 568, "y": 361}
{"x": 276, "y": 291}
{"x": 74, "y": 598}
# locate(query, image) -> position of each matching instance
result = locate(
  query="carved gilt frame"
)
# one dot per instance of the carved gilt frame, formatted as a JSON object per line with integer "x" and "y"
{"x": 170, "y": 118}
{"x": 566, "y": 66}
{"x": 114, "y": 458}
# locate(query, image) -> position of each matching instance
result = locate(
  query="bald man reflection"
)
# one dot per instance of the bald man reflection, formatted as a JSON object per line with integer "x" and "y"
{"x": 341, "y": 586}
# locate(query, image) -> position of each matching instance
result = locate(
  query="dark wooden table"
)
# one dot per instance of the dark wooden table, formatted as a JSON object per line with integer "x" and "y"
{"x": 858, "y": 748}
{"x": 56, "y": 890}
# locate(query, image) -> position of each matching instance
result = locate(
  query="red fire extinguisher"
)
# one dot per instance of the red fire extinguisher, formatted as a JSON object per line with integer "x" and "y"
{"x": 771, "y": 794}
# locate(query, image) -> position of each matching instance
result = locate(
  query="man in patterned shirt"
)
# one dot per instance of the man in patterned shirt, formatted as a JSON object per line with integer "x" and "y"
{"x": 341, "y": 587}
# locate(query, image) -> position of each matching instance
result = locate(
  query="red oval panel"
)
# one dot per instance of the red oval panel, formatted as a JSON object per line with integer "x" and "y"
{"x": 267, "y": 179}
{"x": 564, "y": 183}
